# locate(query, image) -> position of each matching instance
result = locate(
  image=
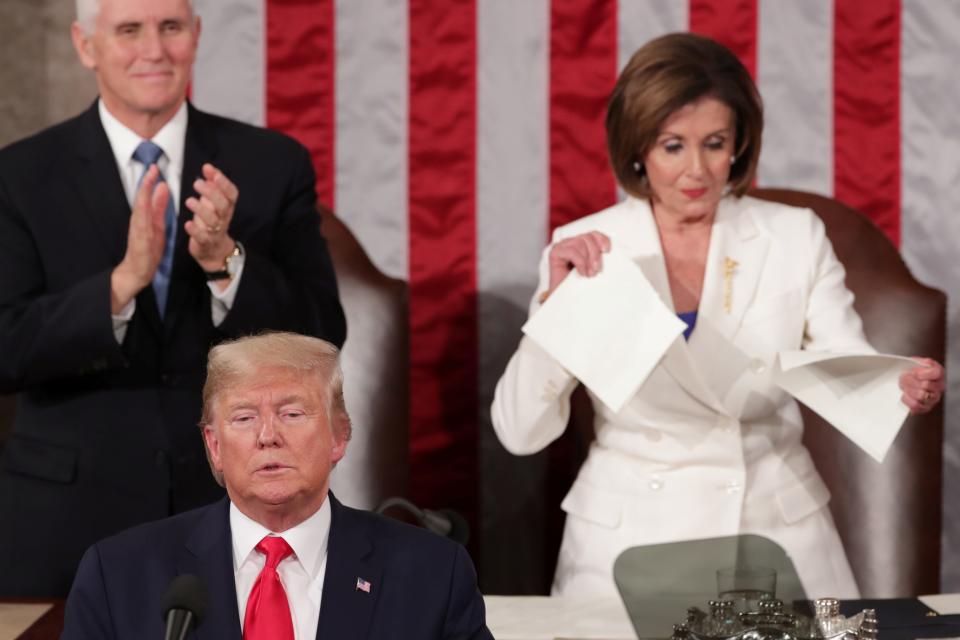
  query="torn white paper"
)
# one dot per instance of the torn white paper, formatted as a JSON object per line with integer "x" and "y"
{"x": 945, "y": 604}
{"x": 859, "y": 394}
{"x": 609, "y": 331}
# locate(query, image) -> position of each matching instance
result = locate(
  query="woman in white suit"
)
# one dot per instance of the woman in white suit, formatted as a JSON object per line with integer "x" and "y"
{"x": 709, "y": 446}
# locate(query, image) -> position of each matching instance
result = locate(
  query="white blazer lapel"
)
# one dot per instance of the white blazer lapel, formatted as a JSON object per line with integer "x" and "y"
{"x": 735, "y": 262}
{"x": 636, "y": 234}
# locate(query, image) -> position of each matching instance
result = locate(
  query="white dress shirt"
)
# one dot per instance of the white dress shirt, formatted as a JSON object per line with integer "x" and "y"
{"x": 171, "y": 139}
{"x": 301, "y": 572}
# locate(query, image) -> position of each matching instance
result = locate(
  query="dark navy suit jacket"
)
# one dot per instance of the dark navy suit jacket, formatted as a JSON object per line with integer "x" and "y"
{"x": 422, "y": 586}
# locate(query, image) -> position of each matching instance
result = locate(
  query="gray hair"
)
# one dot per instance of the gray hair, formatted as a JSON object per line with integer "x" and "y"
{"x": 88, "y": 10}
{"x": 232, "y": 362}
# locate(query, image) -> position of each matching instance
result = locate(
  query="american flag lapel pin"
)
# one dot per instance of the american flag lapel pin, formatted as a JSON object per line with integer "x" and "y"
{"x": 363, "y": 585}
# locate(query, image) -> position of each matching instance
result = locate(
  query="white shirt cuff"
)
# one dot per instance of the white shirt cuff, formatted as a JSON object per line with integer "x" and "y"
{"x": 122, "y": 319}
{"x": 222, "y": 301}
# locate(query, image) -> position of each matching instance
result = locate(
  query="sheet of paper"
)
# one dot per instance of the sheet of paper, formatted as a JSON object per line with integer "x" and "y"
{"x": 550, "y": 617}
{"x": 609, "y": 331}
{"x": 856, "y": 393}
{"x": 945, "y": 604}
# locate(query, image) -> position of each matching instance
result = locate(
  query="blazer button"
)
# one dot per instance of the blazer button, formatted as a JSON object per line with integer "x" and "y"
{"x": 655, "y": 484}
{"x": 729, "y": 425}
{"x": 758, "y": 366}
{"x": 733, "y": 486}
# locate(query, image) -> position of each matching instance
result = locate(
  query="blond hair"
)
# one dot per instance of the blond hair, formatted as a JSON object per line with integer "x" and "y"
{"x": 233, "y": 362}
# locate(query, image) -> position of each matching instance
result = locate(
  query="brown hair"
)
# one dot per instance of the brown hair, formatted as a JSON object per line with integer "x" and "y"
{"x": 237, "y": 360}
{"x": 665, "y": 75}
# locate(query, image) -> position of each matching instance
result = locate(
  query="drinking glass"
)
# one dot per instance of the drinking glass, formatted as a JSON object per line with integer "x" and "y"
{"x": 746, "y": 586}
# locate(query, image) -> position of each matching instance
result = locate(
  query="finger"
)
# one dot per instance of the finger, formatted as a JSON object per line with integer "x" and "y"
{"x": 205, "y": 213}
{"x": 594, "y": 253}
{"x": 576, "y": 256}
{"x": 917, "y": 380}
{"x": 908, "y": 381}
{"x": 144, "y": 193}
{"x": 213, "y": 193}
{"x": 199, "y": 233}
{"x": 913, "y": 405}
{"x": 222, "y": 182}
{"x": 928, "y": 372}
{"x": 604, "y": 240}
{"x": 159, "y": 199}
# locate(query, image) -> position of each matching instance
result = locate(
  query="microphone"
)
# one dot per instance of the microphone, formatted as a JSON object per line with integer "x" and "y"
{"x": 183, "y": 606}
{"x": 444, "y": 522}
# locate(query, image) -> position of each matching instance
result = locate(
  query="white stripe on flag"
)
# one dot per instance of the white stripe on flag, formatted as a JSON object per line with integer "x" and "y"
{"x": 371, "y": 127}
{"x": 641, "y": 20}
{"x": 512, "y": 180}
{"x": 513, "y": 44}
{"x": 795, "y": 77}
{"x": 930, "y": 224}
{"x": 512, "y": 151}
{"x": 229, "y": 77}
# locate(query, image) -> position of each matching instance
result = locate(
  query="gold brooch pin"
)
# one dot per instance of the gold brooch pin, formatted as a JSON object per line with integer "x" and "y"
{"x": 729, "y": 270}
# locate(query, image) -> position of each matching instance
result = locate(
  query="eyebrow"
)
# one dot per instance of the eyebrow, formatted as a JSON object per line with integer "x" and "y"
{"x": 669, "y": 134}
{"x": 249, "y": 404}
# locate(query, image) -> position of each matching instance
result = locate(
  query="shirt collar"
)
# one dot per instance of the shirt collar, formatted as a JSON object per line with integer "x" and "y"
{"x": 171, "y": 138}
{"x": 308, "y": 539}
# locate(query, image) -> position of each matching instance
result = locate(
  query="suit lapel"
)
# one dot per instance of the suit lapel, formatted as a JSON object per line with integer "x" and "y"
{"x": 346, "y": 610}
{"x": 641, "y": 240}
{"x": 104, "y": 201}
{"x": 199, "y": 147}
{"x": 738, "y": 252}
{"x": 208, "y": 554}
{"x": 99, "y": 185}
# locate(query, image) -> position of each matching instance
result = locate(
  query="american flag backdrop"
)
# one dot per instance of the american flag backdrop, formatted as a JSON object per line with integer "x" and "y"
{"x": 452, "y": 135}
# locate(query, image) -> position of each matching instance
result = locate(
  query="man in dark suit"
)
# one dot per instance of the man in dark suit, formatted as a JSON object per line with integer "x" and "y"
{"x": 132, "y": 238}
{"x": 281, "y": 559}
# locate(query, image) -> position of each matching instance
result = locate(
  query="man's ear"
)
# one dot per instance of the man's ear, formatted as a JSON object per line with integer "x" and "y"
{"x": 213, "y": 447}
{"x": 83, "y": 45}
{"x": 339, "y": 445}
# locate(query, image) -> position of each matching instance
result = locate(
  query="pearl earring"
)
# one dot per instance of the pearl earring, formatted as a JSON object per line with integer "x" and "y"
{"x": 733, "y": 159}
{"x": 637, "y": 167}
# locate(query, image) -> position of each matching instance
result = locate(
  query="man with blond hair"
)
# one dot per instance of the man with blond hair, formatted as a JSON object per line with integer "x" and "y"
{"x": 280, "y": 558}
{"x": 132, "y": 238}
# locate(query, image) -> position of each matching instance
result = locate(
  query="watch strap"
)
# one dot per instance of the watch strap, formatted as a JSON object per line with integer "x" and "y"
{"x": 225, "y": 272}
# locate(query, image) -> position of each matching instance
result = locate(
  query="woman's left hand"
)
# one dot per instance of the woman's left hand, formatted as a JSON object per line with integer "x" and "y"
{"x": 922, "y": 386}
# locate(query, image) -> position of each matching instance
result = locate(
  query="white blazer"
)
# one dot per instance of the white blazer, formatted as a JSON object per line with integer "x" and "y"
{"x": 709, "y": 446}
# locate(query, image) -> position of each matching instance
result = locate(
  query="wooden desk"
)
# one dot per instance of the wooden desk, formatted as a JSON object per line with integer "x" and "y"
{"x": 48, "y": 626}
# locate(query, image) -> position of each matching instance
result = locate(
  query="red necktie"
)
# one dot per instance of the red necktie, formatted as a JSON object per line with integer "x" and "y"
{"x": 268, "y": 612}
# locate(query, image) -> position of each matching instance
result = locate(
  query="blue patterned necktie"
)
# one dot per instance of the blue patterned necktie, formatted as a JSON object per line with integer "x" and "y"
{"x": 148, "y": 154}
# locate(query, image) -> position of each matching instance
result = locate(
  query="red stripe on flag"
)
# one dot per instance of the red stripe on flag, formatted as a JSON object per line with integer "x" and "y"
{"x": 732, "y": 23}
{"x": 583, "y": 70}
{"x": 443, "y": 247}
{"x": 866, "y": 101}
{"x": 300, "y": 80}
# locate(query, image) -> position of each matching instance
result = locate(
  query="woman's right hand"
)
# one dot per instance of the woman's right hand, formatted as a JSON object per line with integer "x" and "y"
{"x": 583, "y": 253}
